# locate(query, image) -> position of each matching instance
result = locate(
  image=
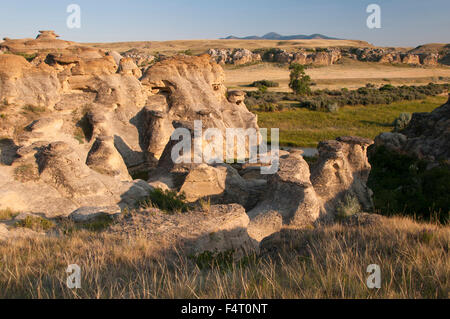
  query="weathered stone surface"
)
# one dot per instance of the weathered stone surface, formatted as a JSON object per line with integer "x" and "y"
{"x": 105, "y": 159}
{"x": 86, "y": 214}
{"x": 291, "y": 194}
{"x": 128, "y": 67}
{"x": 342, "y": 168}
{"x": 21, "y": 83}
{"x": 221, "y": 184}
{"x": 185, "y": 81}
{"x": 222, "y": 228}
{"x": 363, "y": 219}
{"x": 234, "y": 56}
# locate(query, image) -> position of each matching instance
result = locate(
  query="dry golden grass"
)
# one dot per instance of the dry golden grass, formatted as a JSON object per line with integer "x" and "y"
{"x": 328, "y": 262}
{"x": 350, "y": 74}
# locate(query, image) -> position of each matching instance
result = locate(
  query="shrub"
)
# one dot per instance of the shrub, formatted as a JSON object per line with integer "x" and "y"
{"x": 7, "y": 214}
{"x": 402, "y": 121}
{"x": 266, "y": 83}
{"x": 332, "y": 108}
{"x": 168, "y": 201}
{"x": 347, "y": 207}
{"x": 33, "y": 109}
{"x": 403, "y": 185}
{"x": 262, "y": 89}
{"x": 35, "y": 223}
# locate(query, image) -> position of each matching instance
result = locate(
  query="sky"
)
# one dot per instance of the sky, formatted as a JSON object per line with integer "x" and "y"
{"x": 403, "y": 22}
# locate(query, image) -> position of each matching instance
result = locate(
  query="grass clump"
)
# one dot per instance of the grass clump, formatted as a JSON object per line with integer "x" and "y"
{"x": 98, "y": 224}
{"x": 349, "y": 206}
{"x": 223, "y": 260}
{"x": 7, "y": 214}
{"x": 29, "y": 57}
{"x": 402, "y": 121}
{"x": 35, "y": 223}
{"x": 168, "y": 201}
{"x": 25, "y": 173}
{"x": 34, "y": 109}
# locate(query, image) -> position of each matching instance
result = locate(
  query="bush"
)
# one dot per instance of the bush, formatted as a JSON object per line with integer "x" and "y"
{"x": 7, "y": 214}
{"x": 168, "y": 201}
{"x": 266, "y": 83}
{"x": 402, "y": 121}
{"x": 403, "y": 185}
{"x": 35, "y": 223}
{"x": 348, "y": 207}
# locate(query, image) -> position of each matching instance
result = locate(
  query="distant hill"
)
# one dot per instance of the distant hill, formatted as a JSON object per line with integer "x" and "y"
{"x": 276, "y": 36}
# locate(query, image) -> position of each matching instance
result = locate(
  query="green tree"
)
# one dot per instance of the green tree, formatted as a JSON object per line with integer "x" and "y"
{"x": 299, "y": 81}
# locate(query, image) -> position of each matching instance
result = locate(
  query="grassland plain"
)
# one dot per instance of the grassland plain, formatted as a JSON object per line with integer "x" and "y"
{"x": 301, "y": 127}
{"x": 349, "y": 73}
{"x": 325, "y": 262}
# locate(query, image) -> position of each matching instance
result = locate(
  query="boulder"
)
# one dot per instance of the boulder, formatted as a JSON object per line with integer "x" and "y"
{"x": 105, "y": 159}
{"x": 221, "y": 184}
{"x": 128, "y": 67}
{"x": 290, "y": 194}
{"x": 222, "y": 228}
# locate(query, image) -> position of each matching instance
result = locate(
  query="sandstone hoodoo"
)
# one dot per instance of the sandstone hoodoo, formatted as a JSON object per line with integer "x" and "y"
{"x": 83, "y": 121}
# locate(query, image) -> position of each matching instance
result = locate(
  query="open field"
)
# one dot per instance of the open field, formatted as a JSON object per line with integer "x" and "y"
{"x": 326, "y": 262}
{"x": 350, "y": 74}
{"x": 305, "y": 128}
{"x": 201, "y": 46}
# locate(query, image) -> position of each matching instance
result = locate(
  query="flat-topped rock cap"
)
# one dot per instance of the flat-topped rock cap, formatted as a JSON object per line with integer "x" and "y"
{"x": 47, "y": 34}
{"x": 355, "y": 140}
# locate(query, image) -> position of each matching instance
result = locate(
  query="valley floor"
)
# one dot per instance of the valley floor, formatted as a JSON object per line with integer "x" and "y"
{"x": 306, "y": 128}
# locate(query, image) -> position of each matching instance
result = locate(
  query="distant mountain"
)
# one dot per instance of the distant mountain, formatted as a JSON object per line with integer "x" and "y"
{"x": 276, "y": 36}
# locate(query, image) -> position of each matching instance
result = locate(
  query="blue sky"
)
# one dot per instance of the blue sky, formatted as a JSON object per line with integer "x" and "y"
{"x": 404, "y": 22}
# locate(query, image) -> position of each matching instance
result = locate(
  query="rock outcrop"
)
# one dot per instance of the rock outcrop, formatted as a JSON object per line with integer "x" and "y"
{"x": 342, "y": 169}
{"x": 82, "y": 121}
{"x": 299, "y": 196}
{"x": 221, "y": 228}
{"x": 79, "y": 123}
{"x": 234, "y": 56}
{"x": 426, "y": 137}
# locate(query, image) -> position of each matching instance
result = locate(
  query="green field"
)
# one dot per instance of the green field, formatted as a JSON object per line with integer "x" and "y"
{"x": 305, "y": 128}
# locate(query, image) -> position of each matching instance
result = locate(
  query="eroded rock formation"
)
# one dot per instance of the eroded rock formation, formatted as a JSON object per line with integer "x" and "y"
{"x": 426, "y": 137}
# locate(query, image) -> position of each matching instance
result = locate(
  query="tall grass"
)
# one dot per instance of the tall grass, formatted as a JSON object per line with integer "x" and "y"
{"x": 328, "y": 262}
{"x": 303, "y": 127}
